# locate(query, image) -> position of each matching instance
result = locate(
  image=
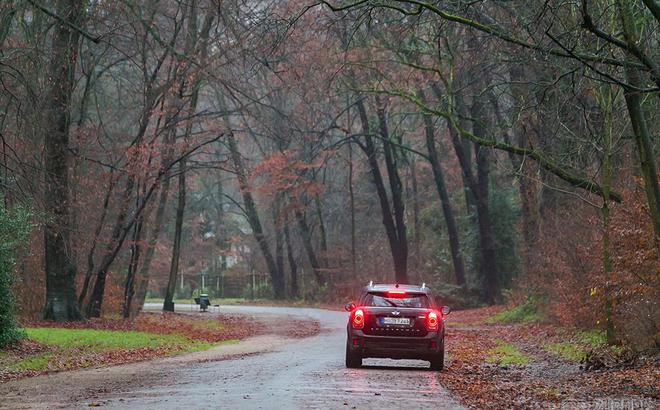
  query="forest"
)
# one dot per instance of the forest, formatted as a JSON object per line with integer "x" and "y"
{"x": 502, "y": 152}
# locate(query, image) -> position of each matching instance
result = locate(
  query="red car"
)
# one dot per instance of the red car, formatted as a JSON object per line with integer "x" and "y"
{"x": 397, "y": 322}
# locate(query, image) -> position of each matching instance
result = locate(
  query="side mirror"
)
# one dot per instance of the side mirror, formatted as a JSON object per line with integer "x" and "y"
{"x": 445, "y": 310}
{"x": 350, "y": 307}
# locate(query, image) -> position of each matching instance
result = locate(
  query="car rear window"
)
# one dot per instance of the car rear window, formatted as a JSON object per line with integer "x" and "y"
{"x": 380, "y": 299}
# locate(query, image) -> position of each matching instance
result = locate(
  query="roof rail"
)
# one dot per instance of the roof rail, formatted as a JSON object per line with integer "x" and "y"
{"x": 371, "y": 283}
{"x": 423, "y": 285}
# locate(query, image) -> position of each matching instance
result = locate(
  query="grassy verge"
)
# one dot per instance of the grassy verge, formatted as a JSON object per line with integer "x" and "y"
{"x": 575, "y": 349}
{"x": 34, "y": 363}
{"x": 55, "y": 349}
{"x": 506, "y": 354}
{"x": 53, "y": 346}
{"x": 103, "y": 340}
{"x": 545, "y": 382}
{"x": 526, "y": 312}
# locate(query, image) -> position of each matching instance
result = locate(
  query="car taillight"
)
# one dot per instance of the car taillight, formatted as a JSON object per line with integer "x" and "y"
{"x": 432, "y": 321}
{"x": 358, "y": 319}
{"x": 396, "y": 293}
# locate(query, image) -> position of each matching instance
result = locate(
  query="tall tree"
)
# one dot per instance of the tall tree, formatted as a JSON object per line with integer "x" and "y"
{"x": 168, "y": 303}
{"x": 252, "y": 216}
{"x": 61, "y": 301}
{"x": 192, "y": 39}
{"x": 441, "y": 187}
{"x": 393, "y": 216}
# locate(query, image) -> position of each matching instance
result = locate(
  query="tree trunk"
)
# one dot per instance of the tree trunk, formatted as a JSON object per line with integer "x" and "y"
{"x": 396, "y": 188}
{"x": 164, "y": 187}
{"x": 217, "y": 195}
{"x": 352, "y": 206}
{"x": 461, "y": 148}
{"x": 439, "y": 179}
{"x": 253, "y": 218}
{"x": 295, "y": 292}
{"x": 605, "y": 99}
{"x": 322, "y": 232}
{"x": 489, "y": 269}
{"x": 145, "y": 269}
{"x": 92, "y": 249}
{"x": 168, "y": 303}
{"x": 7, "y": 13}
{"x": 121, "y": 227}
{"x": 279, "y": 235}
{"x": 647, "y": 159}
{"x": 400, "y": 272}
{"x": 61, "y": 301}
{"x": 478, "y": 187}
{"x": 113, "y": 247}
{"x": 529, "y": 185}
{"x": 416, "y": 209}
{"x": 223, "y": 238}
{"x": 136, "y": 250}
{"x": 306, "y": 234}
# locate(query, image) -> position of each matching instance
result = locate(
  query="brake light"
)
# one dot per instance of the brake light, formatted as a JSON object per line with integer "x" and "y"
{"x": 396, "y": 293}
{"x": 432, "y": 321}
{"x": 358, "y": 319}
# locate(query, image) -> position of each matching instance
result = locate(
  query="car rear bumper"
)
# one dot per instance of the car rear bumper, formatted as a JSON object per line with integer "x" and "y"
{"x": 395, "y": 347}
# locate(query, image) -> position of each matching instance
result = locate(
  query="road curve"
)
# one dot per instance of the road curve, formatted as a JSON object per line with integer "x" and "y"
{"x": 308, "y": 373}
{"x": 302, "y": 373}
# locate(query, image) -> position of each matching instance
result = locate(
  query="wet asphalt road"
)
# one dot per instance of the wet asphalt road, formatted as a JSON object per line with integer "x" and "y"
{"x": 306, "y": 373}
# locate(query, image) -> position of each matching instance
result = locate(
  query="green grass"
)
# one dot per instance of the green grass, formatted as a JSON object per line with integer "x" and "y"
{"x": 583, "y": 341}
{"x": 567, "y": 350}
{"x": 100, "y": 340}
{"x": 527, "y": 312}
{"x": 506, "y": 354}
{"x": 36, "y": 363}
{"x": 593, "y": 338}
{"x": 65, "y": 346}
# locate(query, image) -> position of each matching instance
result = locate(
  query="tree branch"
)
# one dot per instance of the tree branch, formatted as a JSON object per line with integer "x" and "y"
{"x": 492, "y": 30}
{"x": 545, "y": 162}
{"x": 82, "y": 32}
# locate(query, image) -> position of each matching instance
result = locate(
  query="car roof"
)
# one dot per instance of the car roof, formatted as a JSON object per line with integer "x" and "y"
{"x": 384, "y": 287}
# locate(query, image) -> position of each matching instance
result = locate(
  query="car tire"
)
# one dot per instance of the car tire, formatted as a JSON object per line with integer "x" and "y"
{"x": 438, "y": 361}
{"x": 353, "y": 359}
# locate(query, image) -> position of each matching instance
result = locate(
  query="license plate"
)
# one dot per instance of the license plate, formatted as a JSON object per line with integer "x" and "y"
{"x": 395, "y": 321}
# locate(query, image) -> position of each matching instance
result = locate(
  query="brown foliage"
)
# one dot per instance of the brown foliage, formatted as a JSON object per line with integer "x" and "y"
{"x": 547, "y": 380}
{"x": 570, "y": 273}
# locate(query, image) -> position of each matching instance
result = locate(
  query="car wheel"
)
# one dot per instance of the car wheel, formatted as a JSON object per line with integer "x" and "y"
{"x": 438, "y": 361}
{"x": 353, "y": 359}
